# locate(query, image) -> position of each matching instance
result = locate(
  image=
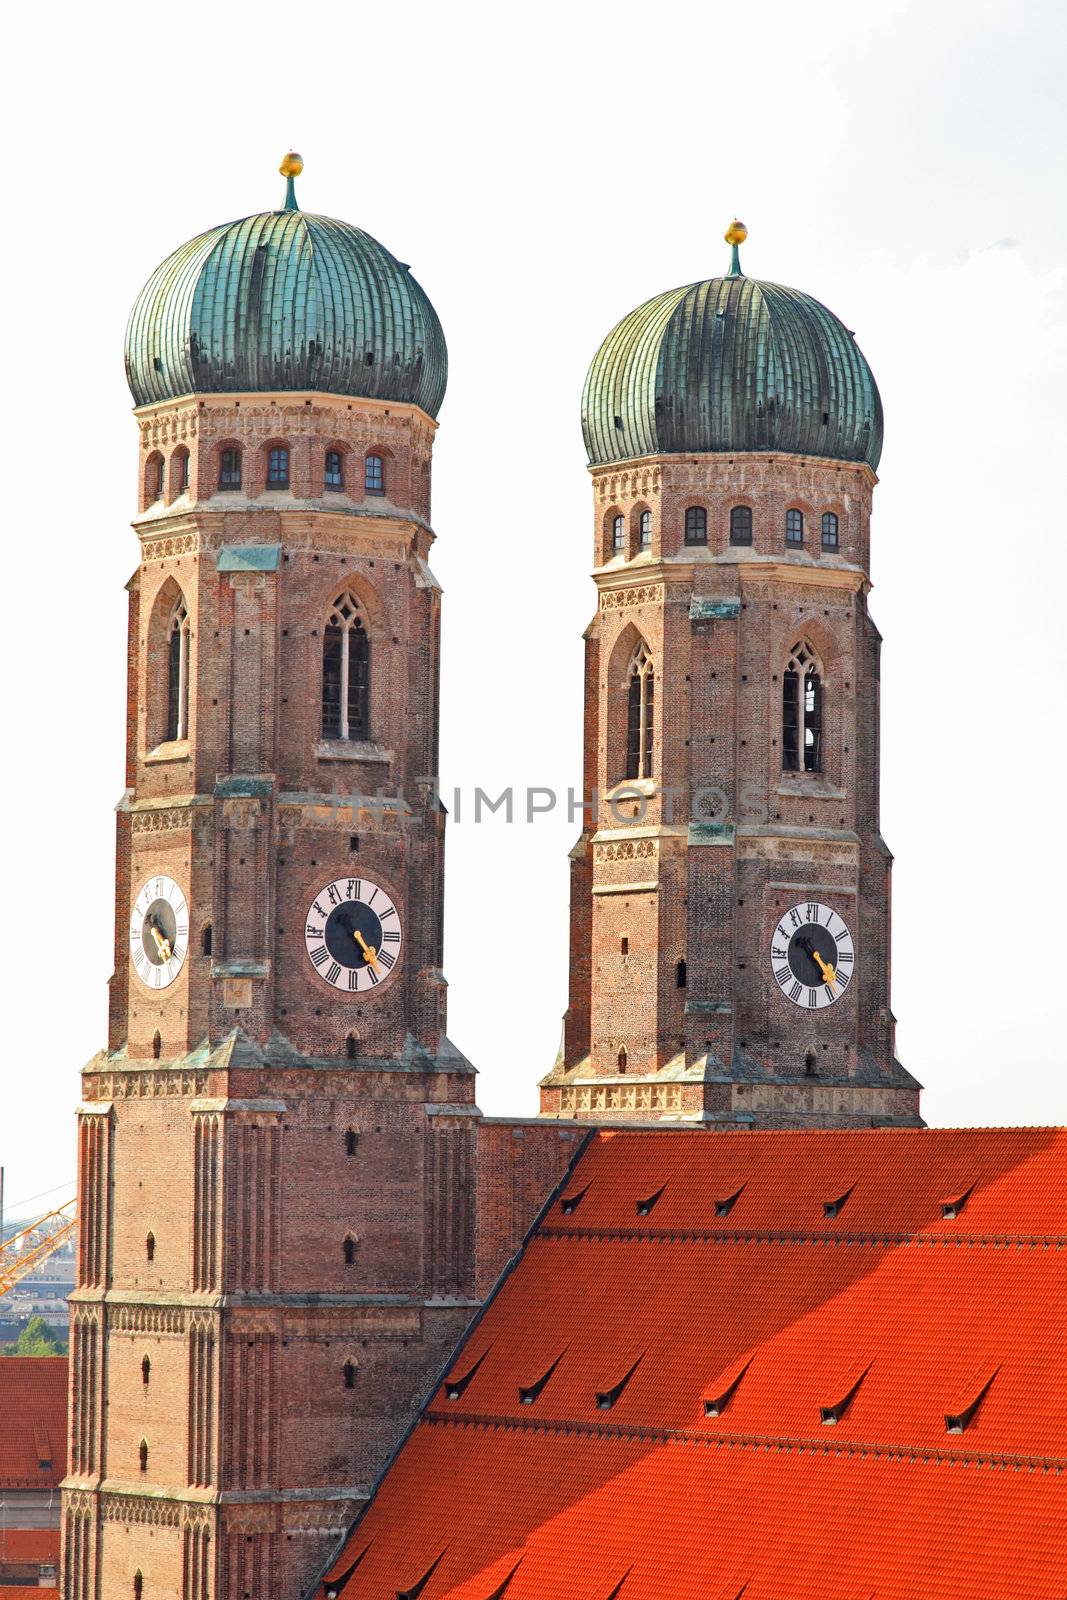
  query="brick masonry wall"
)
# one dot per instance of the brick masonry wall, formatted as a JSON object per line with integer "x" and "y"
{"x": 647, "y": 1038}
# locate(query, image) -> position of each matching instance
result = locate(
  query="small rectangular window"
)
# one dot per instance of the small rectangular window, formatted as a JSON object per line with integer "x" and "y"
{"x": 230, "y": 470}
{"x": 334, "y": 475}
{"x": 374, "y": 476}
{"x": 829, "y": 531}
{"x": 696, "y": 525}
{"x": 278, "y": 468}
{"x": 646, "y": 529}
{"x": 740, "y": 525}
{"x": 618, "y": 534}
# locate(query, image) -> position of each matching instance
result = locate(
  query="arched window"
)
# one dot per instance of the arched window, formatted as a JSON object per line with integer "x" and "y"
{"x": 802, "y": 710}
{"x": 644, "y": 529}
{"x": 351, "y": 1047}
{"x": 178, "y": 673}
{"x": 681, "y": 974}
{"x": 794, "y": 527}
{"x": 829, "y": 531}
{"x": 205, "y": 939}
{"x": 155, "y": 478}
{"x": 640, "y": 708}
{"x": 740, "y": 525}
{"x": 143, "y": 1454}
{"x": 618, "y": 533}
{"x": 278, "y": 467}
{"x": 138, "y": 1586}
{"x": 334, "y": 477}
{"x": 230, "y": 469}
{"x": 345, "y": 672}
{"x": 351, "y": 1141}
{"x": 150, "y": 1247}
{"x": 374, "y": 475}
{"x": 348, "y": 1372}
{"x": 696, "y": 525}
{"x": 623, "y": 1060}
{"x": 179, "y": 471}
{"x": 350, "y": 1251}
{"x": 157, "y": 1045}
{"x": 146, "y": 1371}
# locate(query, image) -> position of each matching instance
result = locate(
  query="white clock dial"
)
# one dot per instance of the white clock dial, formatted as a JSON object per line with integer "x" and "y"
{"x": 159, "y": 932}
{"x": 353, "y": 935}
{"x": 813, "y": 959}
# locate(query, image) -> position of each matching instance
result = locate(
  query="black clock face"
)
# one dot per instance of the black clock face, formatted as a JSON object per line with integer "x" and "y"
{"x": 812, "y": 955}
{"x": 353, "y": 935}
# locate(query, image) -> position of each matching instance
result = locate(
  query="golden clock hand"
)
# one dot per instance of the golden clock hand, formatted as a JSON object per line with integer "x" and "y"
{"x": 371, "y": 955}
{"x": 162, "y": 945}
{"x": 828, "y": 973}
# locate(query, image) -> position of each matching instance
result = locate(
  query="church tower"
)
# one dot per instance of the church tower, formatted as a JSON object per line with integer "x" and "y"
{"x": 730, "y": 891}
{"x": 275, "y": 1148}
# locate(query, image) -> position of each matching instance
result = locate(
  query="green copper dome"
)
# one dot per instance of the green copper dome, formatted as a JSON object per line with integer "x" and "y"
{"x": 731, "y": 365}
{"x": 285, "y": 300}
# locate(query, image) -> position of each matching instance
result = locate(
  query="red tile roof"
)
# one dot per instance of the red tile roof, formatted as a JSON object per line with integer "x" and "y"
{"x": 33, "y": 1421}
{"x": 28, "y": 1544}
{"x": 22, "y": 1592}
{"x": 896, "y": 1323}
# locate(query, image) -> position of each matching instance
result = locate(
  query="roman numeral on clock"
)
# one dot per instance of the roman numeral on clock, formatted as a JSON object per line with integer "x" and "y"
{"x": 320, "y": 955}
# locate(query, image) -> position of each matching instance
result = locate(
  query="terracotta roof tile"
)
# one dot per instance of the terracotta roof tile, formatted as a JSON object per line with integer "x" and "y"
{"x": 33, "y": 1421}
{"x": 889, "y": 1315}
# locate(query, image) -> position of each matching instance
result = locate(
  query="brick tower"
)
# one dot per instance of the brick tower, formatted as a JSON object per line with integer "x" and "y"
{"x": 276, "y": 1146}
{"x": 730, "y": 895}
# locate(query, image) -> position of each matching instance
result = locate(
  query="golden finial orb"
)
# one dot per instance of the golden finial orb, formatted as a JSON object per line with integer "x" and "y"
{"x": 292, "y": 165}
{"x": 736, "y": 233}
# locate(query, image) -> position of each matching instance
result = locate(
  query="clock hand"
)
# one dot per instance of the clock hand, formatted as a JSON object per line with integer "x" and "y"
{"x": 162, "y": 945}
{"x": 828, "y": 973}
{"x": 371, "y": 955}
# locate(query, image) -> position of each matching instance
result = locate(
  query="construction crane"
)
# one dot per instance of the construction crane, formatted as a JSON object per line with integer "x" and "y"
{"x": 34, "y": 1244}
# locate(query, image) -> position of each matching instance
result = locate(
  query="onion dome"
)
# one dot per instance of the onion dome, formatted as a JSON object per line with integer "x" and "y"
{"x": 285, "y": 300}
{"x": 731, "y": 365}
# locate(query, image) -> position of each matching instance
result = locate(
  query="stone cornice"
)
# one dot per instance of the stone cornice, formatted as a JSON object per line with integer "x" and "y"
{"x": 284, "y": 400}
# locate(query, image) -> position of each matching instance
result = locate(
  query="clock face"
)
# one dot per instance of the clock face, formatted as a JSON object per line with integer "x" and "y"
{"x": 159, "y": 933}
{"x": 812, "y": 955}
{"x": 353, "y": 935}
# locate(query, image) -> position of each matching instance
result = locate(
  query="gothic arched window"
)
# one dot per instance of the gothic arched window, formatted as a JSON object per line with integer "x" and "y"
{"x": 696, "y": 525}
{"x": 179, "y": 471}
{"x": 618, "y": 533}
{"x": 794, "y": 527}
{"x": 802, "y": 711}
{"x": 230, "y": 468}
{"x": 829, "y": 531}
{"x": 146, "y": 1371}
{"x": 640, "y": 706}
{"x": 740, "y": 524}
{"x": 345, "y": 672}
{"x": 142, "y": 1453}
{"x": 178, "y": 673}
{"x": 374, "y": 475}
{"x": 155, "y": 478}
{"x": 278, "y": 467}
{"x": 350, "y": 1250}
{"x": 334, "y": 476}
{"x": 348, "y": 1372}
{"x": 644, "y": 529}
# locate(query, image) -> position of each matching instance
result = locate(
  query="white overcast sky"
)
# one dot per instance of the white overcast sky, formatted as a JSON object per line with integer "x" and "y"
{"x": 545, "y": 169}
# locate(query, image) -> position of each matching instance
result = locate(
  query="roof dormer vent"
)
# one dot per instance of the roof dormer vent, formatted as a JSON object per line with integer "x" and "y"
{"x": 529, "y": 1392}
{"x": 645, "y": 1206}
{"x": 607, "y": 1398}
{"x": 833, "y": 1208}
